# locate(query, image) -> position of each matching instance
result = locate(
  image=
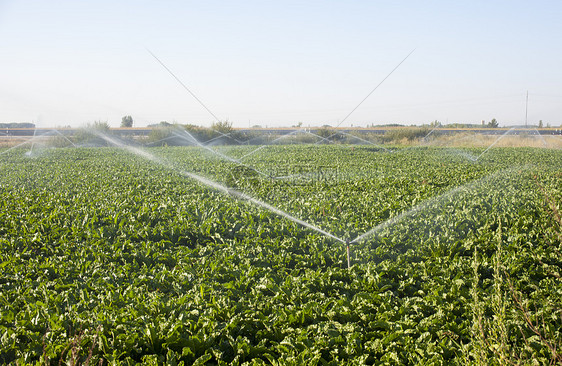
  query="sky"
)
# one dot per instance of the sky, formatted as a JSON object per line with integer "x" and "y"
{"x": 278, "y": 63}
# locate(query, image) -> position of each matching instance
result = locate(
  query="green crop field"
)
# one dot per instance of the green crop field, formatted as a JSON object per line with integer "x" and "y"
{"x": 178, "y": 255}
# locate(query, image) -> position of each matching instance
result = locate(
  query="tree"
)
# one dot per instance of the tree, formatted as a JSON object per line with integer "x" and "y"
{"x": 101, "y": 126}
{"x": 540, "y": 124}
{"x": 17, "y": 125}
{"x": 493, "y": 123}
{"x": 224, "y": 127}
{"x": 127, "y": 121}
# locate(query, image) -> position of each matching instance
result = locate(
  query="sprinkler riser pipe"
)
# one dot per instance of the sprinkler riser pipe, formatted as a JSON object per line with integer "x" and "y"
{"x": 347, "y": 249}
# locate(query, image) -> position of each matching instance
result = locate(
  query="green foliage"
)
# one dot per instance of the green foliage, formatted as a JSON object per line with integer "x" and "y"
{"x": 222, "y": 126}
{"x": 17, "y": 125}
{"x": 90, "y": 135}
{"x": 493, "y": 123}
{"x": 102, "y": 126}
{"x": 405, "y": 133}
{"x": 127, "y": 121}
{"x": 106, "y": 256}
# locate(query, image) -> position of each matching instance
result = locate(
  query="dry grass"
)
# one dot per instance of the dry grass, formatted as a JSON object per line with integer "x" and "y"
{"x": 483, "y": 141}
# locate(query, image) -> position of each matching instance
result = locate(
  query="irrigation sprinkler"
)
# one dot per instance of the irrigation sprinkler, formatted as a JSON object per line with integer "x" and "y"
{"x": 30, "y": 152}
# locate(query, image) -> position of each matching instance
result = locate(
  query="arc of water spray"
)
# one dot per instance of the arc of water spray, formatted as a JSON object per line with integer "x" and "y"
{"x": 216, "y": 186}
{"x": 429, "y": 134}
{"x": 192, "y": 94}
{"x": 542, "y": 138}
{"x": 226, "y": 157}
{"x": 30, "y": 152}
{"x": 175, "y": 137}
{"x": 66, "y": 138}
{"x": 185, "y": 135}
{"x": 326, "y": 138}
{"x": 368, "y": 95}
{"x": 367, "y": 141}
{"x": 34, "y": 137}
{"x": 375, "y": 88}
{"x": 494, "y": 143}
{"x": 269, "y": 134}
{"x": 161, "y": 140}
{"x": 264, "y": 146}
{"x": 27, "y": 141}
{"x": 316, "y": 135}
{"x": 217, "y": 138}
{"x": 356, "y": 137}
{"x": 432, "y": 201}
{"x": 16, "y": 146}
{"x": 254, "y": 138}
{"x": 233, "y": 160}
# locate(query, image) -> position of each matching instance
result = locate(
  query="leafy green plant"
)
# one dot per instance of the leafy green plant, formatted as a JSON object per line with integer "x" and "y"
{"x": 107, "y": 257}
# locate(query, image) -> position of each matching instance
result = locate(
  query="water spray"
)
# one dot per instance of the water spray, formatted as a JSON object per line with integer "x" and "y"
{"x": 495, "y": 142}
{"x": 214, "y": 185}
{"x": 436, "y": 200}
{"x": 263, "y": 146}
{"x": 429, "y": 134}
{"x": 226, "y": 157}
{"x": 364, "y": 99}
{"x": 194, "y": 96}
{"x": 375, "y": 88}
{"x": 30, "y": 152}
{"x": 366, "y": 141}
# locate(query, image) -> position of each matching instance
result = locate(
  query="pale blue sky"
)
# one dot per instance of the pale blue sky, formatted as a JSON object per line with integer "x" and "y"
{"x": 276, "y": 63}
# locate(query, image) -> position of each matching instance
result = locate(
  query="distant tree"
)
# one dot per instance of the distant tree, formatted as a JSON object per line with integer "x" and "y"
{"x": 493, "y": 123}
{"x": 325, "y": 131}
{"x": 222, "y": 126}
{"x": 435, "y": 123}
{"x": 540, "y": 124}
{"x": 17, "y": 125}
{"x": 93, "y": 134}
{"x": 102, "y": 126}
{"x": 127, "y": 121}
